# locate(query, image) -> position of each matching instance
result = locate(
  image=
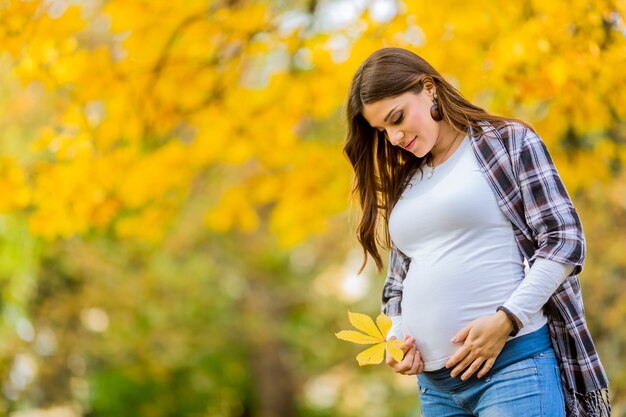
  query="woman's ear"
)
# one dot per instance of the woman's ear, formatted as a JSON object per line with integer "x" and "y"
{"x": 429, "y": 86}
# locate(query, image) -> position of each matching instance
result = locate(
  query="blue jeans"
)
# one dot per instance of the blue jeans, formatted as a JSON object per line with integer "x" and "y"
{"x": 530, "y": 388}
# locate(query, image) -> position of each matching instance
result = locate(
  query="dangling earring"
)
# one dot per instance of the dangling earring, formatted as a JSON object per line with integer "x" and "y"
{"x": 435, "y": 113}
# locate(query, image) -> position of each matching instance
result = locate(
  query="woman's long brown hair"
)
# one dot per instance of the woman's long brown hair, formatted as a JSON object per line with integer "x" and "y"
{"x": 381, "y": 169}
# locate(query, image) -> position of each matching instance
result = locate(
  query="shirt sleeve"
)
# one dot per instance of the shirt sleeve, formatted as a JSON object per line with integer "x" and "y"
{"x": 392, "y": 289}
{"x": 548, "y": 208}
{"x": 543, "y": 278}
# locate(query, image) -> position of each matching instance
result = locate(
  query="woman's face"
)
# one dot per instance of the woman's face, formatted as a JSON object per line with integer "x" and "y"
{"x": 406, "y": 120}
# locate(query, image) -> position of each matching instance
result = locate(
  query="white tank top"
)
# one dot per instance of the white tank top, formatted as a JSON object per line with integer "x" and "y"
{"x": 464, "y": 258}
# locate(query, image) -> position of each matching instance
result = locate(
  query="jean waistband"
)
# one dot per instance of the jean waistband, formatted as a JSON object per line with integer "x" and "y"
{"x": 514, "y": 350}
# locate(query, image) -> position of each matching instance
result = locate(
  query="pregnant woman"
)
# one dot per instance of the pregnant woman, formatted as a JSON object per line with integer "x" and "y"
{"x": 485, "y": 243}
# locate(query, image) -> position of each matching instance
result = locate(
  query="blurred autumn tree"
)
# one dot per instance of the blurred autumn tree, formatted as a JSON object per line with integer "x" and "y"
{"x": 176, "y": 238}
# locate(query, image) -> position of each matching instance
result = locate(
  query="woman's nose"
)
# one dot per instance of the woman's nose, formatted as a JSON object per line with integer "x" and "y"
{"x": 395, "y": 136}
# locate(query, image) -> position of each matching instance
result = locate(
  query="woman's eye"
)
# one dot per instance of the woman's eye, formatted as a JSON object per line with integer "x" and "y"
{"x": 399, "y": 118}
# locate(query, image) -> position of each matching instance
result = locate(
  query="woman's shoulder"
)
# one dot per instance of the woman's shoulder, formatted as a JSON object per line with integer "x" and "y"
{"x": 513, "y": 133}
{"x": 505, "y": 127}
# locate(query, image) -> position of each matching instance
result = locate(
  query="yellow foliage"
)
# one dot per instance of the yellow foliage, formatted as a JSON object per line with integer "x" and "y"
{"x": 135, "y": 113}
{"x": 14, "y": 189}
{"x": 149, "y": 224}
{"x": 150, "y": 177}
{"x": 67, "y": 196}
{"x": 234, "y": 211}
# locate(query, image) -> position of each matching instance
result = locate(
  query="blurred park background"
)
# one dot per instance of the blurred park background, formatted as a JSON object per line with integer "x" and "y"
{"x": 177, "y": 235}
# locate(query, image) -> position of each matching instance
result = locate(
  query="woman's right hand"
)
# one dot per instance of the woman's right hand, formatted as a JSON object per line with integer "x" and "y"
{"x": 412, "y": 362}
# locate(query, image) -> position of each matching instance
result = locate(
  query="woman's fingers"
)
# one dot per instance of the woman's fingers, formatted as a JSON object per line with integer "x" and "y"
{"x": 417, "y": 360}
{"x": 486, "y": 367}
{"x": 420, "y": 369}
{"x": 473, "y": 368}
{"x": 468, "y": 359}
{"x": 483, "y": 342}
{"x": 411, "y": 363}
{"x": 460, "y": 354}
{"x": 408, "y": 343}
{"x": 405, "y": 364}
{"x": 479, "y": 363}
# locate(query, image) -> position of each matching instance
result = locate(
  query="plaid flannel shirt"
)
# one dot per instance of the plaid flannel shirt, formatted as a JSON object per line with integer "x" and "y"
{"x": 517, "y": 166}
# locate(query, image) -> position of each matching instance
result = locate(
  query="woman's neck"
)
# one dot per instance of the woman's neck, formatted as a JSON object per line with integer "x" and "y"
{"x": 446, "y": 143}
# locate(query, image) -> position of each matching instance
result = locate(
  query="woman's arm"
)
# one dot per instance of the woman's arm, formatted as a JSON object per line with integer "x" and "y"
{"x": 550, "y": 214}
{"x": 548, "y": 209}
{"x": 542, "y": 280}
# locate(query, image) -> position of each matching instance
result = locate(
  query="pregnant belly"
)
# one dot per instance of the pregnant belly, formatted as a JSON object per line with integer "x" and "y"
{"x": 432, "y": 327}
{"x": 436, "y": 306}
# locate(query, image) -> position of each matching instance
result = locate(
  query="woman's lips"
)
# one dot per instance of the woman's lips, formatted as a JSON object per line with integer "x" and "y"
{"x": 410, "y": 144}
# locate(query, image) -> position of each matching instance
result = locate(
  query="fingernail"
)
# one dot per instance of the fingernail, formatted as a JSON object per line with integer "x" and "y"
{"x": 453, "y": 340}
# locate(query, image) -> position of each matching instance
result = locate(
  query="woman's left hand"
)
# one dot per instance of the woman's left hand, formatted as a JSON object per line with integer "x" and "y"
{"x": 482, "y": 339}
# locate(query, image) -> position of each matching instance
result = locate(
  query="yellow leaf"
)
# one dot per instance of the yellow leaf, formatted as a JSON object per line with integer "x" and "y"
{"x": 364, "y": 323}
{"x": 373, "y": 334}
{"x": 372, "y": 356}
{"x": 384, "y": 324}
{"x": 393, "y": 348}
{"x": 356, "y": 337}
